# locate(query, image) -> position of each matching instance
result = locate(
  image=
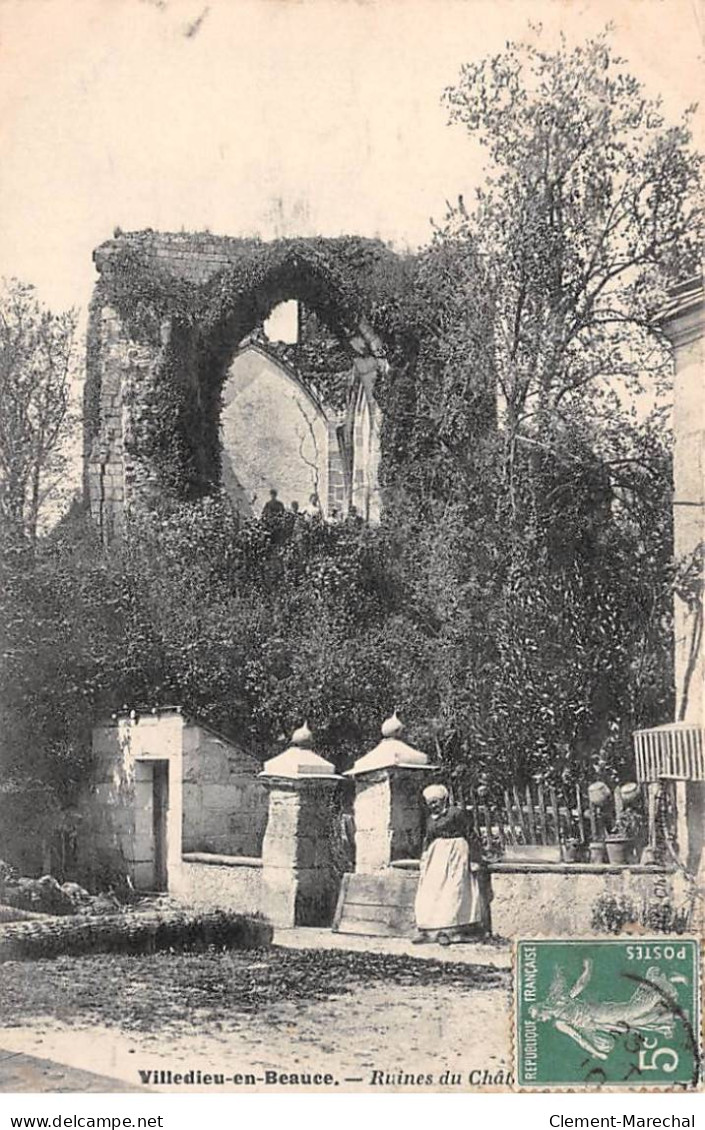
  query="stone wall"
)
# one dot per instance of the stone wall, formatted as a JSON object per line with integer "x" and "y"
{"x": 110, "y": 473}
{"x": 226, "y": 882}
{"x": 225, "y": 803}
{"x": 120, "y": 372}
{"x": 274, "y": 435}
{"x": 388, "y": 818}
{"x": 211, "y": 796}
{"x": 116, "y": 835}
{"x": 301, "y": 881}
{"x": 684, "y": 324}
{"x": 529, "y": 900}
{"x": 193, "y": 256}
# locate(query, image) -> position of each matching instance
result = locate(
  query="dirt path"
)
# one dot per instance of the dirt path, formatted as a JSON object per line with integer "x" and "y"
{"x": 364, "y": 1040}
{"x": 21, "y": 1073}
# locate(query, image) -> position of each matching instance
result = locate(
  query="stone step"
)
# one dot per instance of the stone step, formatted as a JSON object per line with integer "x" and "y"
{"x": 379, "y": 905}
{"x": 373, "y": 929}
{"x": 370, "y": 912}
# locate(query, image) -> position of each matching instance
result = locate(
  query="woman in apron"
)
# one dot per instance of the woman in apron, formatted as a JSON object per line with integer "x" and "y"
{"x": 451, "y": 900}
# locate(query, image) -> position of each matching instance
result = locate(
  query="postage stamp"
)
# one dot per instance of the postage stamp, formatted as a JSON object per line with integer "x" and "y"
{"x": 621, "y": 1012}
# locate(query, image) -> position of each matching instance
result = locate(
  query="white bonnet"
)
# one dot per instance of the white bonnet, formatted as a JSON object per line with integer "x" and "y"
{"x": 435, "y": 792}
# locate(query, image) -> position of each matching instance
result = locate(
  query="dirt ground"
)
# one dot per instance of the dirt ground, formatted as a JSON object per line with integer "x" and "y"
{"x": 27, "y": 1074}
{"x": 381, "y": 1035}
{"x": 412, "y": 1031}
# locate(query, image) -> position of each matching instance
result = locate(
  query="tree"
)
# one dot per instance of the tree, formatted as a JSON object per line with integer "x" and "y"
{"x": 36, "y": 366}
{"x": 542, "y": 563}
{"x": 441, "y": 404}
{"x": 60, "y": 637}
{"x": 594, "y": 205}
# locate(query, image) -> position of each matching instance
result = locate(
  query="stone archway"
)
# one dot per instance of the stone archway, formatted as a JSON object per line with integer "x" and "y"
{"x": 141, "y": 383}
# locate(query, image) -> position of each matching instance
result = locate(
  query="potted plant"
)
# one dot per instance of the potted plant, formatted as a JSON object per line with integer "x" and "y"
{"x": 599, "y": 795}
{"x": 597, "y": 851}
{"x": 620, "y": 841}
{"x": 570, "y": 850}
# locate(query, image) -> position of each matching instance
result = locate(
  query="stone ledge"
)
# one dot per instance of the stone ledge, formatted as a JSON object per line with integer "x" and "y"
{"x": 293, "y": 784}
{"x": 212, "y": 860}
{"x": 516, "y": 867}
{"x": 581, "y": 868}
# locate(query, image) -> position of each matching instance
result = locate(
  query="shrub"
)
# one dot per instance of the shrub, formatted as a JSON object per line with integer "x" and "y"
{"x": 132, "y": 933}
{"x": 612, "y": 913}
{"x": 663, "y": 917}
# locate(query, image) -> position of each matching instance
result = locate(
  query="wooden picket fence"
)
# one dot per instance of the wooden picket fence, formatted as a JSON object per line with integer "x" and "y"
{"x": 538, "y": 815}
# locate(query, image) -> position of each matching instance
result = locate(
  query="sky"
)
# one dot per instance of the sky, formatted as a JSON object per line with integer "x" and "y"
{"x": 262, "y": 116}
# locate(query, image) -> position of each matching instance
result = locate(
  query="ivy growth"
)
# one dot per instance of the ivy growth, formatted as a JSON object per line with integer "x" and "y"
{"x": 195, "y": 327}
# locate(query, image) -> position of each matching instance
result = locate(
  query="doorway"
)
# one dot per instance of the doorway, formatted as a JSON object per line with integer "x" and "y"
{"x": 151, "y": 813}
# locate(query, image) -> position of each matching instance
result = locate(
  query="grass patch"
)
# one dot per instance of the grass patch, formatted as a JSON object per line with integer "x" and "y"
{"x": 151, "y": 993}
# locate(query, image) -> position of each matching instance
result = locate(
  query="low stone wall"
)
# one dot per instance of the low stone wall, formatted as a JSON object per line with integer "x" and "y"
{"x": 232, "y": 882}
{"x": 529, "y": 899}
{"x": 533, "y": 900}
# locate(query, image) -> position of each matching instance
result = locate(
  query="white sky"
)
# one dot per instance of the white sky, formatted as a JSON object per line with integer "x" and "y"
{"x": 275, "y": 116}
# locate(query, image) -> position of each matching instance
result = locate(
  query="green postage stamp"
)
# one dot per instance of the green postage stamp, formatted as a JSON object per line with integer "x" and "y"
{"x": 600, "y": 1013}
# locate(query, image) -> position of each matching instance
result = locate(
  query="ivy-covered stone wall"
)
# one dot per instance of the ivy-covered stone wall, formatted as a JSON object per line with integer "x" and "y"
{"x": 168, "y": 313}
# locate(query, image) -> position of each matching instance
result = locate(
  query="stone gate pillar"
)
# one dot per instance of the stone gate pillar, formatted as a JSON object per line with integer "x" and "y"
{"x": 300, "y": 878}
{"x": 388, "y": 811}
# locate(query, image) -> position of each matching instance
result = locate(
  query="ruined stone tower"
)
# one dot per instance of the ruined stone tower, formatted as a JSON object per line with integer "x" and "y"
{"x": 185, "y": 394}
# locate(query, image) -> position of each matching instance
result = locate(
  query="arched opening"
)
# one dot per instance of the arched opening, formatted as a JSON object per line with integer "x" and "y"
{"x": 211, "y": 392}
{"x": 274, "y": 435}
{"x": 298, "y": 411}
{"x": 283, "y": 323}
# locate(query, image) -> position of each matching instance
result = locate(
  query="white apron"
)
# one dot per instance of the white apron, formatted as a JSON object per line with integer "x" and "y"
{"x": 448, "y": 893}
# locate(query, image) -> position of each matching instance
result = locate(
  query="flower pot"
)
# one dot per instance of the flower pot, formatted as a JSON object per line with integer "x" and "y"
{"x": 570, "y": 852}
{"x": 599, "y": 793}
{"x": 597, "y": 852}
{"x": 619, "y": 849}
{"x": 630, "y": 793}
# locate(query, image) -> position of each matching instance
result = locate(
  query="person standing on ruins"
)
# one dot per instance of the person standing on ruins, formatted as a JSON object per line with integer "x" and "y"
{"x": 274, "y": 509}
